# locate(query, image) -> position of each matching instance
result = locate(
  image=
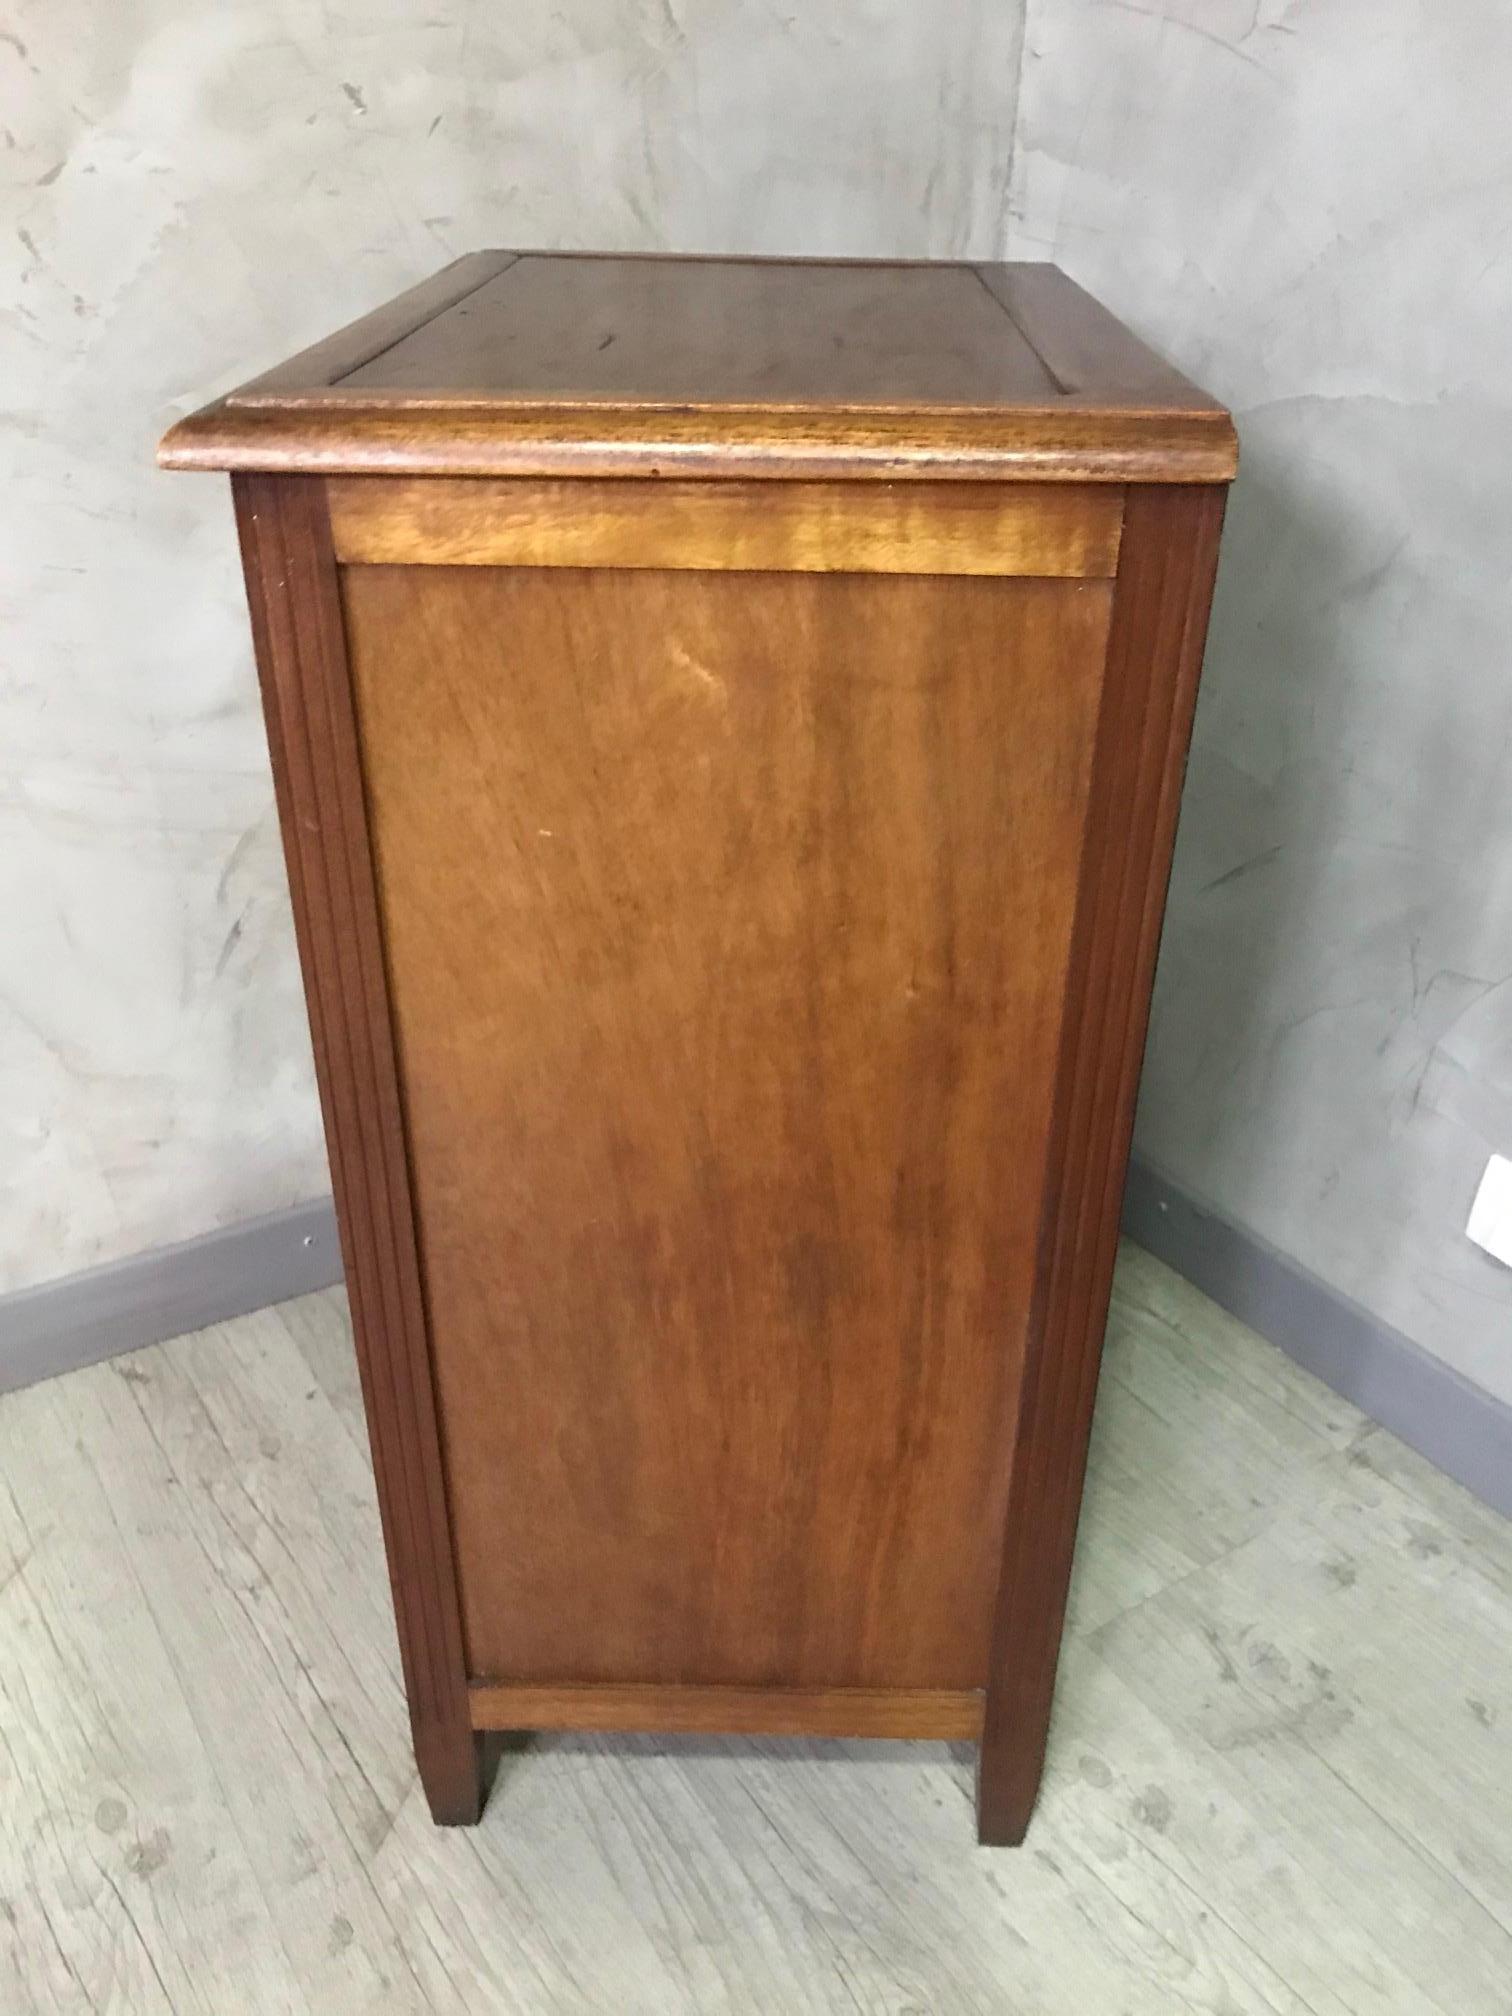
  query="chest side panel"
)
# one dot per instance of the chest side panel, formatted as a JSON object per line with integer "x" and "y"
{"x": 726, "y": 918}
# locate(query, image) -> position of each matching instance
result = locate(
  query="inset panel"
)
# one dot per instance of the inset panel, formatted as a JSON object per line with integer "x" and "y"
{"x": 698, "y": 332}
{"x": 727, "y": 919}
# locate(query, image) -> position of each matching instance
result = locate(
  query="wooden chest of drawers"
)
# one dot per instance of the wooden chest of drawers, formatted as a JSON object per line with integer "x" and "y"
{"x": 728, "y": 720}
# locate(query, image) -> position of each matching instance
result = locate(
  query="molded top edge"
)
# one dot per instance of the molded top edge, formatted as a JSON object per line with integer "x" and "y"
{"x": 531, "y": 364}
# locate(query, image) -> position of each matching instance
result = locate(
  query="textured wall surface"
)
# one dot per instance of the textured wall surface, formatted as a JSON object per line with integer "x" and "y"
{"x": 1308, "y": 203}
{"x": 188, "y": 192}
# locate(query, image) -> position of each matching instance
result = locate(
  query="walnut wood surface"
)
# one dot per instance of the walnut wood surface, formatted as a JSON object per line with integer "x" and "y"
{"x": 728, "y": 915}
{"x": 301, "y": 656}
{"x": 930, "y": 1713}
{"x": 341, "y": 433}
{"x": 336, "y": 356}
{"x": 1068, "y": 531}
{"x": 1085, "y": 351}
{"x": 709, "y": 332}
{"x": 1160, "y": 617}
{"x": 727, "y": 919}
{"x": 602, "y": 365}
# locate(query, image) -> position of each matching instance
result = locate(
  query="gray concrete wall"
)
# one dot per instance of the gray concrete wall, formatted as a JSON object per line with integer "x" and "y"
{"x": 189, "y": 191}
{"x": 1307, "y": 203}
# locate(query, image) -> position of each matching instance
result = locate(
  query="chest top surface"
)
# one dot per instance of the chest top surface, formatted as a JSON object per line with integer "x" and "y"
{"x": 565, "y": 363}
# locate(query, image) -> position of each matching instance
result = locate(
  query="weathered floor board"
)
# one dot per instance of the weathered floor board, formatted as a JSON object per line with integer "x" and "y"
{"x": 1278, "y": 1780}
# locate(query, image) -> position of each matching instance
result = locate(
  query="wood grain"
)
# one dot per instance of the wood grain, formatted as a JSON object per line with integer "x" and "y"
{"x": 605, "y": 366}
{"x": 727, "y": 919}
{"x": 1084, "y": 349}
{"x": 728, "y": 913}
{"x": 721, "y": 332}
{"x": 1154, "y": 658}
{"x": 301, "y": 656}
{"x": 339, "y": 433}
{"x": 752, "y": 1711}
{"x": 988, "y": 528}
{"x": 336, "y": 356}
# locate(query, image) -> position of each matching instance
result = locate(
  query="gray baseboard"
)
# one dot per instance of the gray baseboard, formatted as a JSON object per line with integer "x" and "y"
{"x": 1461, "y": 1429}
{"x": 61, "y": 1325}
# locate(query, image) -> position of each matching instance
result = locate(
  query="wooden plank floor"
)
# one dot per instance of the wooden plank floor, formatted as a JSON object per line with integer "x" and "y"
{"x": 1279, "y": 1777}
